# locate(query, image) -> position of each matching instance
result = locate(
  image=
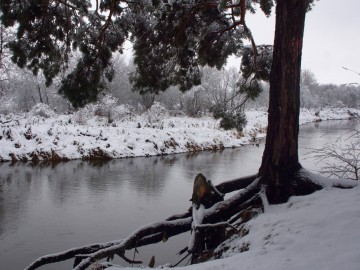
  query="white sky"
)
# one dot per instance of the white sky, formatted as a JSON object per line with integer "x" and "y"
{"x": 331, "y": 40}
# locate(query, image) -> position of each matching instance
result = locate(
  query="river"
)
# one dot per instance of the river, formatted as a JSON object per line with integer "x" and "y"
{"x": 49, "y": 208}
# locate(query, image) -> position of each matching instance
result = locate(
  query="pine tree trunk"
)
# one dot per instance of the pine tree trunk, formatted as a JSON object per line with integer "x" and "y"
{"x": 280, "y": 159}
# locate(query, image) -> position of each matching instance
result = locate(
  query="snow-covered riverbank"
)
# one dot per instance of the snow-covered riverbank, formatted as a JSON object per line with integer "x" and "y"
{"x": 42, "y": 134}
{"x": 318, "y": 231}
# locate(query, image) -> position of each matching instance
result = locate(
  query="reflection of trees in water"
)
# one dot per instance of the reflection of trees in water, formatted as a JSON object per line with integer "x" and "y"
{"x": 223, "y": 165}
{"x": 169, "y": 160}
{"x": 2, "y": 210}
{"x": 15, "y": 186}
{"x": 80, "y": 181}
{"x": 67, "y": 180}
{"x": 313, "y": 135}
{"x": 147, "y": 176}
{"x": 206, "y": 163}
{"x": 327, "y": 135}
{"x": 328, "y": 127}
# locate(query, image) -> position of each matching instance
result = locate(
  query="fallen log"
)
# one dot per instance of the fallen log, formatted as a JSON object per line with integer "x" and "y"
{"x": 205, "y": 193}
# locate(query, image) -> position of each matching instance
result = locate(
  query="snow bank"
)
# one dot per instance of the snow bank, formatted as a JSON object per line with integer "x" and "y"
{"x": 315, "y": 115}
{"x": 319, "y": 231}
{"x": 109, "y": 131}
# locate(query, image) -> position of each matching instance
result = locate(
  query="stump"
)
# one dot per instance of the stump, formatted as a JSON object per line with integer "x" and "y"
{"x": 206, "y": 238}
{"x": 205, "y": 193}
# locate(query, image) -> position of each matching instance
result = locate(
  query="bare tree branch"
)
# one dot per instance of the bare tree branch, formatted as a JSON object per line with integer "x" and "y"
{"x": 339, "y": 159}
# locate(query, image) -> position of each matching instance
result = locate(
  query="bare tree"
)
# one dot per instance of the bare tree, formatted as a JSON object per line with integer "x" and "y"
{"x": 5, "y": 37}
{"x": 342, "y": 157}
{"x": 308, "y": 78}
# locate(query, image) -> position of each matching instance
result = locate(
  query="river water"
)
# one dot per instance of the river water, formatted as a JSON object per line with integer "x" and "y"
{"x": 50, "y": 208}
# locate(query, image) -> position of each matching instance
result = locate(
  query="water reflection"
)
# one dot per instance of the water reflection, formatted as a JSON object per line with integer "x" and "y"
{"x": 316, "y": 135}
{"x": 15, "y": 187}
{"x": 50, "y": 208}
{"x": 46, "y": 208}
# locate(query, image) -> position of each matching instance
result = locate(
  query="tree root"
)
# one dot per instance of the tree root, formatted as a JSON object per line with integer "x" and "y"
{"x": 305, "y": 175}
{"x": 150, "y": 234}
{"x": 221, "y": 220}
{"x": 68, "y": 254}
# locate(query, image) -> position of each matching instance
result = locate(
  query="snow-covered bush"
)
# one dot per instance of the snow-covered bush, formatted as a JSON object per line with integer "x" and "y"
{"x": 106, "y": 109}
{"x": 229, "y": 119}
{"x": 42, "y": 110}
{"x": 156, "y": 113}
{"x": 7, "y": 105}
{"x": 121, "y": 112}
{"x": 105, "y": 105}
{"x": 82, "y": 116}
{"x": 195, "y": 102}
{"x": 170, "y": 98}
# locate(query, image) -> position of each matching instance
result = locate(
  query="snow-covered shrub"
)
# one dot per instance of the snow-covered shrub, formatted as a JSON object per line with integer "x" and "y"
{"x": 195, "y": 102}
{"x": 170, "y": 98}
{"x": 122, "y": 111}
{"x": 156, "y": 113}
{"x": 147, "y": 100}
{"x": 105, "y": 105}
{"x": 42, "y": 110}
{"x": 233, "y": 120}
{"x": 7, "y": 105}
{"x": 229, "y": 119}
{"x": 82, "y": 115}
{"x": 105, "y": 109}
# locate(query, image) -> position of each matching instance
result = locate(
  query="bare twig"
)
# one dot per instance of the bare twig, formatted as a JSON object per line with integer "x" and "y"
{"x": 338, "y": 159}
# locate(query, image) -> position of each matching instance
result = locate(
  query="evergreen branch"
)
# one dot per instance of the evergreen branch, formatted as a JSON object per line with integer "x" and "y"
{"x": 65, "y": 3}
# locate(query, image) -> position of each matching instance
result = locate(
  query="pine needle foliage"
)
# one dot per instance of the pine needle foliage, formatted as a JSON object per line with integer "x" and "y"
{"x": 171, "y": 40}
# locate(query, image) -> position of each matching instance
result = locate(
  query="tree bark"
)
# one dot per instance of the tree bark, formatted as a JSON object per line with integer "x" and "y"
{"x": 280, "y": 160}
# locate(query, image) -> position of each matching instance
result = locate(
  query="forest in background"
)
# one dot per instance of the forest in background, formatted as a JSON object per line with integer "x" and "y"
{"x": 21, "y": 90}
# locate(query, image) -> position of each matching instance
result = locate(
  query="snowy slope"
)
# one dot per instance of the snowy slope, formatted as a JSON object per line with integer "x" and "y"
{"x": 42, "y": 134}
{"x": 319, "y": 231}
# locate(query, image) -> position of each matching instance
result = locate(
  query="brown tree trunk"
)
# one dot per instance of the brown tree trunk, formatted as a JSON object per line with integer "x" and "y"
{"x": 280, "y": 159}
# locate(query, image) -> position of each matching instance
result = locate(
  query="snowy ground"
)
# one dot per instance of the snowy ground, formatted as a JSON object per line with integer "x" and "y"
{"x": 92, "y": 133}
{"x": 319, "y": 231}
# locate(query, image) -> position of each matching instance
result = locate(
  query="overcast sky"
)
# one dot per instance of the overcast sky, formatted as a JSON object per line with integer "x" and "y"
{"x": 331, "y": 40}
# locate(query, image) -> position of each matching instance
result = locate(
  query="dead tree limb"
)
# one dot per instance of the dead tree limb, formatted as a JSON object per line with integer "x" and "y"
{"x": 210, "y": 218}
{"x": 131, "y": 241}
{"x": 152, "y": 233}
{"x": 309, "y": 177}
{"x": 85, "y": 252}
{"x": 71, "y": 253}
{"x": 230, "y": 213}
{"x": 236, "y": 210}
{"x": 231, "y": 206}
{"x": 236, "y": 184}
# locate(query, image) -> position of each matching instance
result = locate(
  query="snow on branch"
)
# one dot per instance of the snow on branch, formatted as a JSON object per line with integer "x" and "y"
{"x": 65, "y": 255}
{"x": 327, "y": 182}
{"x": 155, "y": 232}
{"x": 181, "y": 225}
